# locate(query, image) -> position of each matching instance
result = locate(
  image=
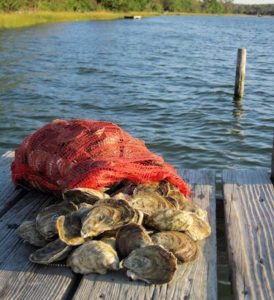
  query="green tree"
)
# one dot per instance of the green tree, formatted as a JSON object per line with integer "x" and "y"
{"x": 181, "y": 5}
{"x": 172, "y": 5}
{"x": 154, "y": 5}
{"x": 228, "y": 6}
{"x": 125, "y": 5}
{"x": 79, "y": 5}
{"x": 9, "y": 5}
{"x": 213, "y": 6}
{"x": 195, "y": 6}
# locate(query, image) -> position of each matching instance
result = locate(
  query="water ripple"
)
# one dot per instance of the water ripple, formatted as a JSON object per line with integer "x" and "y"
{"x": 166, "y": 80}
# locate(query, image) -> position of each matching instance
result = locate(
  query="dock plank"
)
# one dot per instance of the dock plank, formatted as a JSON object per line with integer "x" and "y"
{"x": 195, "y": 280}
{"x": 249, "y": 216}
{"x": 8, "y": 193}
{"x": 19, "y": 278}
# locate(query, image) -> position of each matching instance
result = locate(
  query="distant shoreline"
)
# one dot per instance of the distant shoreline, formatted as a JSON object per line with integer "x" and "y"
{"x": 30, "y": 18}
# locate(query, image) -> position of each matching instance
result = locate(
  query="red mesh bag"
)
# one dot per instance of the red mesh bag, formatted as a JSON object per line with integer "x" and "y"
{"x": 84, "y": 153}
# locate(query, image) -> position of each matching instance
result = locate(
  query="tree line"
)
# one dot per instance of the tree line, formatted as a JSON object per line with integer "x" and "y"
{"x": 187, "y": 6}
{"x": 261, "y": 10}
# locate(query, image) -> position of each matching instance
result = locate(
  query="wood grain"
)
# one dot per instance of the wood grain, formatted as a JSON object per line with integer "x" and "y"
{"x": 196, "y": 280}
{"x": 8, "y": 192}
{"x": 20, "y": 279}
{"x": 272, "y": 162}
{"x": 249, "y": 217}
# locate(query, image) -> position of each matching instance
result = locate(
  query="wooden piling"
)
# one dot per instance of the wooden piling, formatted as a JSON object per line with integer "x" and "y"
{"x": 240, "y": 74}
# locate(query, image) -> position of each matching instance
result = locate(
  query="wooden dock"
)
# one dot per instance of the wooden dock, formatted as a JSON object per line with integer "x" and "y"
{"x": 249, "y": 199}
{"x": 133, "y": 17}
{"x": 249, "y": 217}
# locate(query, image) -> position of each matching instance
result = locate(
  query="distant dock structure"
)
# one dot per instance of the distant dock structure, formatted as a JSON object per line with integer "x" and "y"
{"x": 133, "y": 17}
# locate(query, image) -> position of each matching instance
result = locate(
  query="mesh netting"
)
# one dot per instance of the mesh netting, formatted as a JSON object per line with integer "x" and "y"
{"x": 84, "y": 153}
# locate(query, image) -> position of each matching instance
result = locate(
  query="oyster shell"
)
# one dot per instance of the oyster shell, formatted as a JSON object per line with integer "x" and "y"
{"x": 85, "y": 205}
{"x": 146, "y": 199}
{"x": 169, "y": 191}
{"x": 138, "y": 217}
{"x": 130, "y": 237}
{"x": 125, "y": 187}
{"x": 46, "y": 218}
{"x": 180, "y": 220}
{"x": 191, "y": 207}
{"x": 110, "y": 241}
{"x": 199, "y": 229}
{"x": 79, "y": 195}
{"x": 28, "y": 232}
{"x": 180, "y": 244}
{"x": 172, "y": 193}
{"x": 107, "y": 234}
{"x": 53, "y": 251}
{"x": 93, "y": 256}
{"x": 121, "y": 196}
{"x": 69, "y": 226}
{"x": 171, "y": 219}
{"x": 152, "y": 264}
{"x": 106, "y": 215}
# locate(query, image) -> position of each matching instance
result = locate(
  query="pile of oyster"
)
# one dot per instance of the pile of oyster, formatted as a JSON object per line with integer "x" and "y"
{"x": 145, "y": 229}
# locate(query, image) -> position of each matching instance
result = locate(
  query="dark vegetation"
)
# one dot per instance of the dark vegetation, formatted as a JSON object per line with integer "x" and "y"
{"x": 187, "y": 6}
{"x": 261, "y": 10}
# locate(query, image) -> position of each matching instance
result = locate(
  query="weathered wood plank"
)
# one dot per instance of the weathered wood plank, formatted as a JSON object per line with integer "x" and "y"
{"x": 8, "y": 193}
{"x": 196, "y": 280}
{"x": 7, "y": 156}
{"x": 25, "y": 209}
{"x": 249, "y": 216}
{"x": 272, "y": 162}
{"x": 20, "y": 279}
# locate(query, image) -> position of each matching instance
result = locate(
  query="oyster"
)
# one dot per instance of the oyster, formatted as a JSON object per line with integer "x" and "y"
{"x": 130, "y": 237}
{"x": 152, "y": 264}
{"x": 180, "y": 244}
{"x": 125, "y": 187}
{"x": 69, "y": 226}
{"x": 85, "y": 205}
{"x": 171, "y": 219}
{"x": 46, "y": 218}
{"x": 28, "y": 232}
{"x": 53, "y": 251}
{"x": 79, "y": 195}
{"x": 169, "y": 191}
{"x": 199, "y": 229}
{"x": 138, "y": 217}
{"x": 121, "y": 196}
{"x": 172, "y": 193}
{"x": 146, "y": 199}
{"x": 107, "y": 234}
{"x": 110, "y": 241}
{"x": 180, "y": 220}
{"x": 93, "y": 256}
{"x": 106, "y": 215}
{"x": 191, "y": 207}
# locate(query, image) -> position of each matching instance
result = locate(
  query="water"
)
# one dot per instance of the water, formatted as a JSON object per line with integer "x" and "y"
{"x": 166, "y": 80}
